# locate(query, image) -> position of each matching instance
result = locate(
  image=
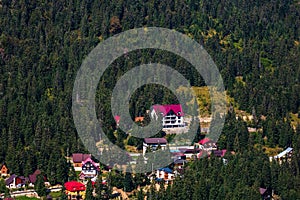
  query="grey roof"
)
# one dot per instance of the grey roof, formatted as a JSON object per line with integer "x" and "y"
{"x": 180, "y": 161}
{"x": 155, "y": 140}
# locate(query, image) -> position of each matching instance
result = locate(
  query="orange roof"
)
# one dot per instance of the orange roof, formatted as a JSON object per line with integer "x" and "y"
{"x": 137, "y": 119}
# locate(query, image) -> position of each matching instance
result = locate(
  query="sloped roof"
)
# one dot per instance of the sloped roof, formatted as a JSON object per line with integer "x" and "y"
{"x": 74, "y": 186}
{"x": 79, "y": 157}
{"x": 262, "y": 190}
{"x": 204, "y": 141}
{"x": 180, "y": 161}
{"x": 10, "y": 179}
{"x": 166, "y": 169}
{"x": 32, "y": 177}
{"x": 91, "y": 161}
{"x": 220, "y": 153}
{"x": 155, "y": 140}
{"x": 3, "y": 165}
{"x": 117, "y": 118}
{"x": 139, "y": 119}
{"x": 177, "y": 154}
{"x": 165, "y": 109}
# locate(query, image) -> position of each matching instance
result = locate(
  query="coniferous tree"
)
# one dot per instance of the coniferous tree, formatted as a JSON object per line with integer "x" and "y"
{"x": 63, "y": 194}
{"x": 39, "y": 186}
{"x": 140, "y": 194}
{"x": 99, "y": 188}
{"x": 128, "y": 182}
{"x": 89, "y": 191}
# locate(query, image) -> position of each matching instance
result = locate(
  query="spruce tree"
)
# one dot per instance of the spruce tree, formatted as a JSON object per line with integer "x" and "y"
{"x": 89, "y": 191}
{"x": 140, "y": 194}
{"x": 99, "y": 189}
{"x": 39, "y": 186}
{"x": 128, "y": 182}
{"x": 63, "y": 194}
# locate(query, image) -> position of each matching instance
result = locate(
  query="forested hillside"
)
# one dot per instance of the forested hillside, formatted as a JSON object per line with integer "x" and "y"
{"x": 255, "y": 44}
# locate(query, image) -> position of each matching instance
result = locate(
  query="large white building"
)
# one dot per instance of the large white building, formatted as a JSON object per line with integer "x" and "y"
{"x": 153, "y": 144}
{"x": 172, "y": 115}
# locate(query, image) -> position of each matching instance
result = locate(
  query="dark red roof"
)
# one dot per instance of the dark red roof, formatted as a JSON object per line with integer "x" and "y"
{"x": 189, "y": 151}
{"x": 79, "y": 157}
{"x": 32, "y": 177}
{"x": 220, "y": 153}
{"x": 204, "y": 141}
{"x": 8, "y": 198}
{"x": 155, "y": 140}
{"x": 178, "y": 154}
{"x": 165, "y": 109}
{"x": 74, "y": 186}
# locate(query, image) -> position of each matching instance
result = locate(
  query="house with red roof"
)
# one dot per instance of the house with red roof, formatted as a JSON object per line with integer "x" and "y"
{"x": 207, "y": 144}
{"x": 15, "y": 181}
{"x": 75, "y": 190}
{"x": 90, "y": 169}
{"x": 172, "y": 115}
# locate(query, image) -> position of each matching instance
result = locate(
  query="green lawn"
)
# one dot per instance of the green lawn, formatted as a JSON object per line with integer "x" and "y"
{"x": 55, "y": 195}
{"x": 26, "y": 198}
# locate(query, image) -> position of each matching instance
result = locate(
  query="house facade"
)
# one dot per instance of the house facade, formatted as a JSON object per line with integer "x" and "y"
{"x": 172, "y": 115}
{"x": 4, "y": 170}
{"x": 15, "y": 181}
{"x": 207, "y": 144}
{"x": 165, "y": 174}
{"x": 90, "y": 169}
{"x": 179, "y": 159}
{"x": 153, "y": 144}
{"x": 75, "y": 190}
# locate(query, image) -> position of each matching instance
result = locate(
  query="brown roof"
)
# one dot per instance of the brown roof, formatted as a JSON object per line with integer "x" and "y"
{"x": 79, "y": 157}
{"x": 155, "y": 140}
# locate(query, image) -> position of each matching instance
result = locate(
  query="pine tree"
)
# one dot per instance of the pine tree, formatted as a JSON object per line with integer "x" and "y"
{"x": 3, "y": 188}
{"x": 89, "y": 191}
{"x": 140, "y": 194}
{"x": 99, "y": 187}
{"x": 72, "y": 174}
{"x": 63, "y": 194}
{"x": 39, "y": 186}
{"x": 128, "y": 182}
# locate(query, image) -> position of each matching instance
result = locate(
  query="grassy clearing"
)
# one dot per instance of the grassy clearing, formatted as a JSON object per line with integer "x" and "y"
{"x": 55, "y": 195}
{"x": 26, "y": 198}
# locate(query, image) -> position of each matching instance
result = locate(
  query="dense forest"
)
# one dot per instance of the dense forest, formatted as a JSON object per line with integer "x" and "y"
{"x": 255, "y": 44}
